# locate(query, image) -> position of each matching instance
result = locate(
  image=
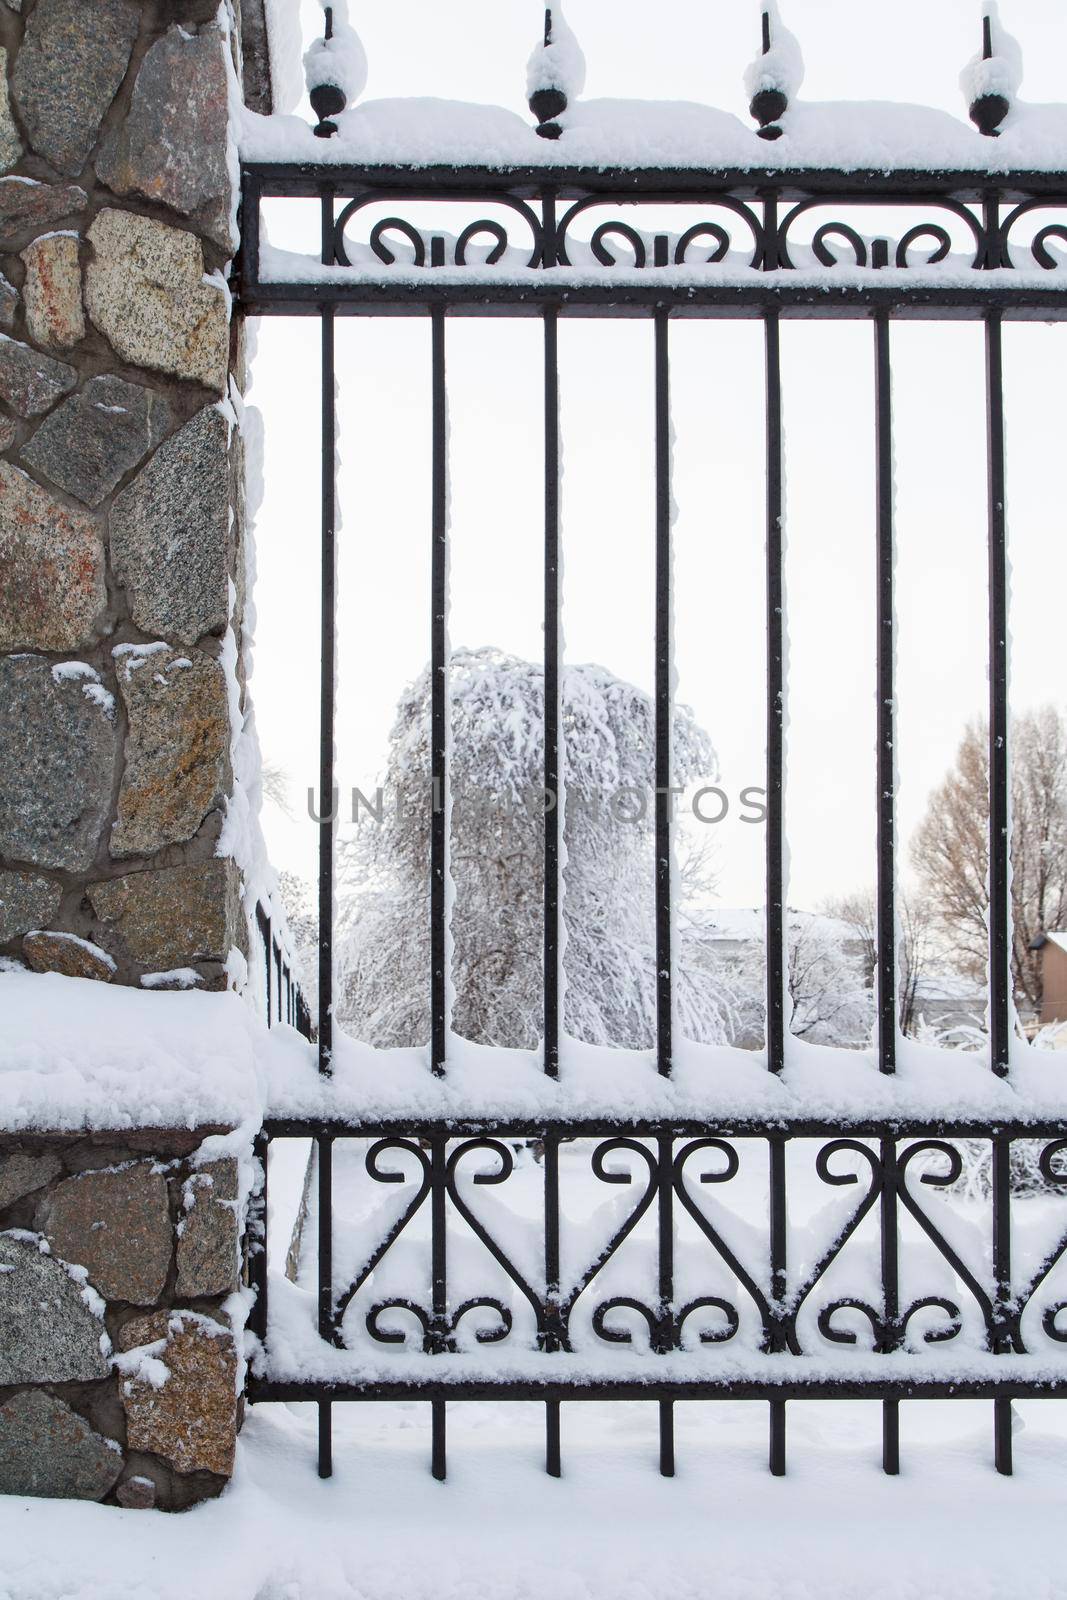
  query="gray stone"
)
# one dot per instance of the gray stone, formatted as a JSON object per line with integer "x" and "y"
{"x": 53, "y": 593}
{"x": 29, "y": 381}
{"x": 46, "y": 1449}
{"x": 26, "y": 902}
{"x": 67, "y": 74}
{"x": 145, "y": 291}
{"x": 10, "y": 143}
{"x": 67, "y": 954}
{"x": 8, "y": 432}
{"x": 207, "y": 1244}
{"x": 167, "y": 918}
{"x": 53, "y": 291}
{"x": 255, "y": 54}
{"x": 170, "y": 534}
{"x": 192, "y": 1420}
{"x": 172, "y": 146}
{"x": 136, "y": 1494}
{"x": 16, "y": 5}
{"x": 57, "y": 755}
{"x": 47, "y": 1332}
{"x": 27, "y": 207}
{"x": 116, "y": 1224}
{"x": 22, "y": 1174}
{"x": 9, "y": 303}
{"x": 94, "y": 438}
{"x": 177, "y": 752}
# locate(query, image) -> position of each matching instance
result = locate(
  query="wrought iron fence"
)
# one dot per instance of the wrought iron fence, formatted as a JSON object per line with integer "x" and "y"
{"x": 283, "y": 996}
{"x": 553, "y": 242}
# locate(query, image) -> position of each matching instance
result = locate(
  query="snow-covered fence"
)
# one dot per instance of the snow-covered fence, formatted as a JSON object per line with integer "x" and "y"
{"x": 424, "y": 1285}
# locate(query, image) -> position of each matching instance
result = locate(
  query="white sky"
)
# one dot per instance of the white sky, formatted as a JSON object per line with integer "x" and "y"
{"x": 476, "y": 50}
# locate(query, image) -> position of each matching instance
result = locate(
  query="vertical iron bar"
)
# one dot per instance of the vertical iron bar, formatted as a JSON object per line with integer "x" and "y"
{"x": 1002, "y": 1423}
{"x": 999, "y": 817}
{"x": 257, "y": 1248}
{"x": 779, "y": 1288}
{"x": 439, "y": 1339}
{"x": 775, "y": 701}
{"x": 324, "y": 1146}
{"x": 269, "y": 948}
{"x": 886, "y": 756}
{"x": 665, "y": 1216}
{"x": 552, "y": 1343}
{"x": 664, "y": 798}
{"x": 553, "y": 822}
{"x": 250, "y": 230}
{"x": 1003, "y": 1342}
{"x": 438, "y": 1463}
{"x": 327, "y": 681}
{"x": 891, "y": 1298}
{"x": 439, "y": 699}
{"x": 776, "y": 1454}
{"x": 552, "y": 1440}
{"x": 327, "y": 709}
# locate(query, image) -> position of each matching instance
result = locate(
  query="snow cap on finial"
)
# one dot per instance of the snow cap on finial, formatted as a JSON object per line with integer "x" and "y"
{"x": 990, "y": 80}
{"x": 775, "y": 76}
{"x": 335, "y": 68}
{"x": 555, "y": 73}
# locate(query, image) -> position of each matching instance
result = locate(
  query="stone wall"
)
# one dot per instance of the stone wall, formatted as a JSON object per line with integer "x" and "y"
{"x": 121, "y": 607}
{"x": 118, "y": 1375}
{"x": 121, "y": 529}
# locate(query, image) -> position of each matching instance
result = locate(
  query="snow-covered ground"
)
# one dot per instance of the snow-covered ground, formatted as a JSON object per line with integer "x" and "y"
{"x": 499, "y": 1529}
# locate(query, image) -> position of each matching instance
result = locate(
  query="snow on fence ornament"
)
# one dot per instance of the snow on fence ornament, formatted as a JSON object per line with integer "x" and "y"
{"x": 555, "y": 74}
{"x": 335, "y": 69}
{"x": 991, "y": 80}
{"x": 774, "y": 78}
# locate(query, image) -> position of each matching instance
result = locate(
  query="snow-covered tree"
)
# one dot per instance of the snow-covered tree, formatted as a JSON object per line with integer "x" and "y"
{"x": 827, "y": 981}
{"x": 298, "y": 899}
{"x": 915, "y": 918}
{"x": 497, "y": 865}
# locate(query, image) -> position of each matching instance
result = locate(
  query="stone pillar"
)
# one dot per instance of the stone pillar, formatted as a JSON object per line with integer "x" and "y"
{"x": 118, "y": 1367}
{"x": 121, "y": 531}
{"x": 121, "y": 710}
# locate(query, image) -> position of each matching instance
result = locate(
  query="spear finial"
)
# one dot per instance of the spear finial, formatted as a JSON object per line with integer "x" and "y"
{"x": 555, "y": 74}
{"x": 775, "y": 75}
{"x": 991, "y": 79}
{"x": 335, "y": 68}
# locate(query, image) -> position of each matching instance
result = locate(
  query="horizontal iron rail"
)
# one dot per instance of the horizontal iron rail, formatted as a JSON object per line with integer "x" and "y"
{"x": 296, "y": 179}
{"x": 911, "y": 302}
{"x": 468, "y": 1126}
{"x": 725, "y": 1388}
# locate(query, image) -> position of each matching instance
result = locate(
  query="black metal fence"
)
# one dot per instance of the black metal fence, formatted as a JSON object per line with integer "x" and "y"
{"x": 558, "y": 243}
{"x": 284, "y": 999}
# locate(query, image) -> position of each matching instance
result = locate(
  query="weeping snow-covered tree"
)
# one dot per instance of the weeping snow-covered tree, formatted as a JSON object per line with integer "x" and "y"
{"x": 497, "y": 864}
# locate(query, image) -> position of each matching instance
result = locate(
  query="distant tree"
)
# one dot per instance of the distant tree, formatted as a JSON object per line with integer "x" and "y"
{"x": 827, "y": 982}
{"x": 497, "y": 865}
{"x": 274, "y": 783}
{"x": 298, "y": 901}
{"x": 951, "y": 847}
{"x": 914, "y": 944}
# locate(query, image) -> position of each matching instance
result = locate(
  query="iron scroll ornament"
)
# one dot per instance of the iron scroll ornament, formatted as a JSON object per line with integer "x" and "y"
{"x": 422, "y": 243}
{"x": 666, "y": 1323}
{"x": 768, "y": 243}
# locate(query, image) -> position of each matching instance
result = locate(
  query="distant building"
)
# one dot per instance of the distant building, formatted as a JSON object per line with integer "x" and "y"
{"x": 949, "y": 1004}
{"x": 1053, "y": 948}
